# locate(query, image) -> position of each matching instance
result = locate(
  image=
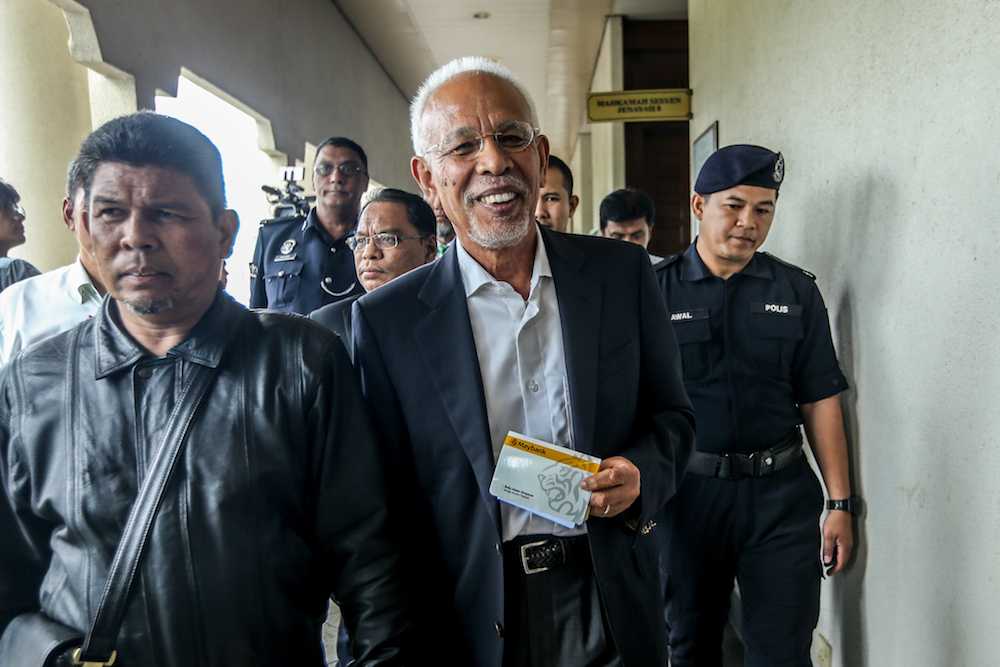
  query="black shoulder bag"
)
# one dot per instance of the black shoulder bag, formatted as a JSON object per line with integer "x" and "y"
{"x": 35, "y": 640}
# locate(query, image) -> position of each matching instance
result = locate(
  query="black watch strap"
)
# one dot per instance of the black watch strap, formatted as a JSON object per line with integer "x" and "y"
{"x": 852, "y": 505}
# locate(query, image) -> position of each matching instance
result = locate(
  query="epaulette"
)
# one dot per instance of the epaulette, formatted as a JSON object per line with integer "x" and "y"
{"x": 667, "y": 261}
{"x": 275, "y": 221}
{"x": 789, "y": 264}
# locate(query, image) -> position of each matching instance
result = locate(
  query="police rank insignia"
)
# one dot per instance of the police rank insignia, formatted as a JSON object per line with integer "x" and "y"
{"x": 779, "y": 168}
{"x": 287, "y": 247}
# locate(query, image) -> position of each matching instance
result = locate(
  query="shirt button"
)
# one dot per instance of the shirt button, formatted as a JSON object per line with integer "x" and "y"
{"x": 499, "y": 549}
{"x": 328, "y": 280}
{"x": 499, "y": 628}
{"x": 281, "y": 274}
{"x": 333, "y": 249}
{"x": 533, "y": 386}
{"x": 145, "y": 373}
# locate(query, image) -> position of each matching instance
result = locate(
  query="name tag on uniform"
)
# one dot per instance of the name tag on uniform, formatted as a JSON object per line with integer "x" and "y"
{"x": 793, "y": 309}
{"x": 686, "y": 315}
{"x": 544, "y": 479}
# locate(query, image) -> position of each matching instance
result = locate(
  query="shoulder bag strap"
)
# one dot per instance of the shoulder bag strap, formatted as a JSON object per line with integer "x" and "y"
{"x": 98, "y": 648}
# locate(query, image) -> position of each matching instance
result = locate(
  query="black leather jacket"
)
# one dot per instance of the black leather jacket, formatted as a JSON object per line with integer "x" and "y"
{"x": 277, "y": 502}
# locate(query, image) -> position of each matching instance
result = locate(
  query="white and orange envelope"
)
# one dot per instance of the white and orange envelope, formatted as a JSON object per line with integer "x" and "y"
{"x": 543, "y": 479}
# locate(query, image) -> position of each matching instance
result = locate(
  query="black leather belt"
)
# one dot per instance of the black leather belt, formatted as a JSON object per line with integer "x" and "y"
{"x": 538, "y": 553}
{"x": 736, "y": 465}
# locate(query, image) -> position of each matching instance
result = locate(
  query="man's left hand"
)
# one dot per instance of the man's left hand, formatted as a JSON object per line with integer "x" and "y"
{"x": 838, "y": 540}
{"x": 615, "y": 486}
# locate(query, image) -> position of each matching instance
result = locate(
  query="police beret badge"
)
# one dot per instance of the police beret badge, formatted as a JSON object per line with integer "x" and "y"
{"x": 740, "y": 164}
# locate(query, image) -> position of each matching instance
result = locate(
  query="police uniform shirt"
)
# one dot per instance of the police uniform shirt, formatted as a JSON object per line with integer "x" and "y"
{"x": 298, "y": 268}
{"x": 753, "y": 348}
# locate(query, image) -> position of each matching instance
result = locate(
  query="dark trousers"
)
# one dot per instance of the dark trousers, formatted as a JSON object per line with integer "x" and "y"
{"x": 762, "y": 531}
{"x": 554, "y": 618}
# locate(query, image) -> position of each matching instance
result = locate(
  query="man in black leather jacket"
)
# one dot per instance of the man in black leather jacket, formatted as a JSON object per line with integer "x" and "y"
{"x": 278, "y": 499}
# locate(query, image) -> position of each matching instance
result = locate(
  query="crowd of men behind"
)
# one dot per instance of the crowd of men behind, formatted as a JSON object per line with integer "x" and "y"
{"x": 349, "y": 455}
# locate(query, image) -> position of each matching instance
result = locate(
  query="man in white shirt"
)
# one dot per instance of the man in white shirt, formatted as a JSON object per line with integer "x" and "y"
{"x": 559, "y": 337}
{"x": 34, "y": 309}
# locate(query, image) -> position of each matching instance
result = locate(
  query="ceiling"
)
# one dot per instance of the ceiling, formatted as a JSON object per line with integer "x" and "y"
{"x": 550, "y": 45}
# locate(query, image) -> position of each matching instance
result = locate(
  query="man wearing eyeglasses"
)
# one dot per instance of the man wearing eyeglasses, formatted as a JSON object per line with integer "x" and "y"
{"x": 558, "y": 337}
{"x": 11, "y": 236}
{"x": 301, "y": 264}
{"x": 395, "y": 234}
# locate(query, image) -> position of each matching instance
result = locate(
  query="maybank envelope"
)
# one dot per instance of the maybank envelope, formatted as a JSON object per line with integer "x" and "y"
{"x": 544, "y": 479}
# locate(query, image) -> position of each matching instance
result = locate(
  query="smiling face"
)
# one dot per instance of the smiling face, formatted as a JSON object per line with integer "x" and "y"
{"x": 376, "y": 266}
{"x": 336, "y": 191}
{"x": 490, "y": 198}
{"x": 733, "y": 224}
{"x": 555, "y": 205}
{"x": 157, "y": 248}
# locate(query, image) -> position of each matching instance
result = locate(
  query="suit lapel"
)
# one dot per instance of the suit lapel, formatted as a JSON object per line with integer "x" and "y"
{"x": 580, "y": 298}
{"x": 445, "y": 337}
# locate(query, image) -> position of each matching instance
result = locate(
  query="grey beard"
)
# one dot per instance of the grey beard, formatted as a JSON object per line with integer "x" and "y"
{"x": 445, "y": 230}
{"x": 149, "y": 306}
{"x": 506, "y": 235}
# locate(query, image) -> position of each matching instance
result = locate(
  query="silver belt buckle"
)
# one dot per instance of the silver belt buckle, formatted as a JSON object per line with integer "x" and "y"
{"x": 524, "y": 557}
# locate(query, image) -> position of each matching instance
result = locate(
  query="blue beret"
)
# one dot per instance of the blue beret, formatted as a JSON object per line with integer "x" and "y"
{"x": 741, "y": 164}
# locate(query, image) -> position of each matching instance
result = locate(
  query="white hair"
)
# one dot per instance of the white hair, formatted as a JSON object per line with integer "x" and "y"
{"x": 446, "y": 73}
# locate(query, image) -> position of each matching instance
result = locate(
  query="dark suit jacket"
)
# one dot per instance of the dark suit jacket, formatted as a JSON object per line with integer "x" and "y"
{"x": 336, "y": 317}
{"x": 414, "y": 347}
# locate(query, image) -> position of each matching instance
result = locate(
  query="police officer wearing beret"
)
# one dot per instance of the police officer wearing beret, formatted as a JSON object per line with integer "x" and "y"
{"x": 301, "y": 264}
{"x": 758, "y": 361}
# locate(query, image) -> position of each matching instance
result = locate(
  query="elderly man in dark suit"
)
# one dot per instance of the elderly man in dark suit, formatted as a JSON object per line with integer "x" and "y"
{"x": 560, "y": 338}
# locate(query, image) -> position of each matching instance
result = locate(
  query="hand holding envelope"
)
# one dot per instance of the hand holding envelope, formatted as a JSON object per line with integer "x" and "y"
{"x": 616, "y": 484}
{"x": 561, "y": 484}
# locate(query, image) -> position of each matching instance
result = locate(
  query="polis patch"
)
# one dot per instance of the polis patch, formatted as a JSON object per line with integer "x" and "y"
{"x": 790, "y": 309}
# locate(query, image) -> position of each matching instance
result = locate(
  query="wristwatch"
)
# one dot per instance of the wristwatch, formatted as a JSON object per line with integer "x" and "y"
{"x": 852, "y": 505}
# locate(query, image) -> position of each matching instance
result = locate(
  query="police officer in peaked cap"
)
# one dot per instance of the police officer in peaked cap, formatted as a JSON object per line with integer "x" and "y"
{"x": 758, "y": 362}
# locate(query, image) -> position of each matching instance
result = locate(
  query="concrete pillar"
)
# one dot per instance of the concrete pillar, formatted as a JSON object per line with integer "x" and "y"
{"x": 608, "y": 139}
{"x": 45, "y": 114}
{"x": 585, "y": 218}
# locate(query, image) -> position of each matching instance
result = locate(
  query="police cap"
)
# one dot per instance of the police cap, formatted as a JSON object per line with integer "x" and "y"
{"x": 740, "y": 164}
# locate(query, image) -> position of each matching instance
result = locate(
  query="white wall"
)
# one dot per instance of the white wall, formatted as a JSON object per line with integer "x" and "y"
{"x": 299, "y": 64}
{"x": 887, "y": 115}
{"x": 38, "y": 80}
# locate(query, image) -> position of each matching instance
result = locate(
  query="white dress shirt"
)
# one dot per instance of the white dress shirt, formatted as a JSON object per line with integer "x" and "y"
{"x": 520, "y": 348}
{"x": 36, "y": 308}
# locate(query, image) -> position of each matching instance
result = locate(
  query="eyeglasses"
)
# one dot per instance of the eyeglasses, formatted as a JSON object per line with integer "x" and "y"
{"x": 513, "y": 136}
{"x": 346, "y": 169}
{"x": 16, "y": 209}
{"x": 381, "y": 241}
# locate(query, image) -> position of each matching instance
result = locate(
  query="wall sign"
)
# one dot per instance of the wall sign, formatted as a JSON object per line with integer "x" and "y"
{"x": 639, "y": 105}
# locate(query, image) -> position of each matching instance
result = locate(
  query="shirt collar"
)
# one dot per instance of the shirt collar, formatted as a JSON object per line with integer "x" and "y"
{"x": 475, "y": 276}
{"x": 312, "y": 223}
{"x": 205, "y": 343}
{"x": 80, "y": 283}
{"x": 693, "y": 268}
